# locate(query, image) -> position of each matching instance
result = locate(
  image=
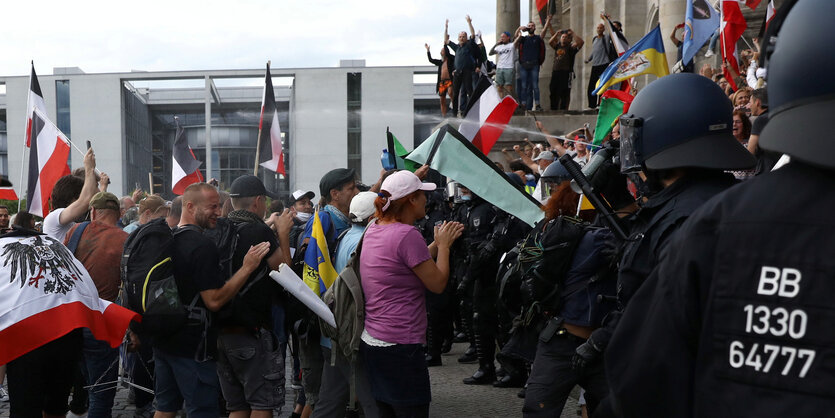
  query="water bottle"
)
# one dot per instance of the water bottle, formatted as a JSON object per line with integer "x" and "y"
{"x": 385, "y": 159}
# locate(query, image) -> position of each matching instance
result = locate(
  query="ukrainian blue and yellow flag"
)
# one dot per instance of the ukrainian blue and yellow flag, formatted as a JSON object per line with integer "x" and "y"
{"x": 319, "y": 273}
{"x": 645, "y": 57}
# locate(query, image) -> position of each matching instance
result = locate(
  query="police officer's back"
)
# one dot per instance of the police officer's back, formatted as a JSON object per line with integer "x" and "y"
{"x": 737, "y": 320}
{"x": 683, "y": 152}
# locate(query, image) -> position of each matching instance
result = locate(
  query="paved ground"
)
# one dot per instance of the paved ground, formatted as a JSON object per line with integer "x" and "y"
{"x": 450, "y": 397}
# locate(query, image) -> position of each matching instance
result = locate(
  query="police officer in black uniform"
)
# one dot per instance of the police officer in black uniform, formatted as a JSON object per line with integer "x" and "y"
{"x": 440, "y": 308}
{"x": 737, "y": 320}
{"x": 477, "y": 215}
{"x": 505, "y": 232}
{"x": 682, "y": 150}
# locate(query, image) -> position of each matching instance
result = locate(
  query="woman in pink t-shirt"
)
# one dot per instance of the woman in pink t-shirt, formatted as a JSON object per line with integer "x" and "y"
{"x": 396, "y": 268}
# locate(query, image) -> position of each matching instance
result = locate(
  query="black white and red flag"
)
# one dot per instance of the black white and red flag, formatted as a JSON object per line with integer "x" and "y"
{"x": 33, "y": 100}
{"x": 185, "y": 169}
{"x": 269, "y": 141}
{"x": 48, "y": 154}
{"x": 487, "y": 115}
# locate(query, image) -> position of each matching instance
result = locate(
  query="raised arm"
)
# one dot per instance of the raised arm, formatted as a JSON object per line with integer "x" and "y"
{"x": 78, "y": 208}
{"x": 673, "y": 35}
{"x": 446, "y": 32}
{"x": 578, "y": 41}
{"x": 470, "y": 24}
{"x": 517, "y": 36}
{"x": 429, "y": 55}
{"x": 552, "y": 140}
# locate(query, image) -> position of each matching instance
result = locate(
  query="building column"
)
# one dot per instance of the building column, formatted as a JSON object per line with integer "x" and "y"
{"x": 507, "y": 17}
{"x": 208, "y": 124}
{"x": 670, "y": 14}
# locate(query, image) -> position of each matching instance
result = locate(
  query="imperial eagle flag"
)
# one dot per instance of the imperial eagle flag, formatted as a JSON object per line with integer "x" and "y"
{"x": 269, "y": 143}
{"x": 48, "y": 293}
{"x": 185, "y": 170}
{"x": 451, "y": 154}
{"x": 48, "y": 153}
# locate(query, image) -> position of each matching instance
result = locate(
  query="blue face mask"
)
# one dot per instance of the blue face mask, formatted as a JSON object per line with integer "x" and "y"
{"x": 466, "y": 197}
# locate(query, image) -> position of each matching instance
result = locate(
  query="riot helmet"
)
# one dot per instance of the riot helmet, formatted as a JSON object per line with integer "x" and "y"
{"x": 681, "y": 120}
{"x": 553, "y": 175}
{"x": 801, "y": 94}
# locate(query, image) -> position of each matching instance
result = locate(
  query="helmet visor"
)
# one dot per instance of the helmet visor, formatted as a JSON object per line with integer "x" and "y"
{"x": 631, "y": 130}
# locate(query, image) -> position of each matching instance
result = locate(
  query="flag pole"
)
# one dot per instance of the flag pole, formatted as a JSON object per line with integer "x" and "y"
{"x": 150, "y": 183}
{"x": 23, "y": 192}
{"x": 25, "y": 133}
{"x": 722, "y": 29}
{"x": 260, "y": 124}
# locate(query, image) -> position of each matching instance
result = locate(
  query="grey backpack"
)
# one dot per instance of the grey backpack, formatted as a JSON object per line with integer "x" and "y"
{"x": 347, "y": 302}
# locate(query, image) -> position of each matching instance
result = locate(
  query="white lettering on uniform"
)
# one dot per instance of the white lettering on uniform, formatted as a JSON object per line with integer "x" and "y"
{"x": 783, "y": 282}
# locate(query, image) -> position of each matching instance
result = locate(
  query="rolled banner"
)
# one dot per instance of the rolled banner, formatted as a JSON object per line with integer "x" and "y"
{"x": 296, "y": 286}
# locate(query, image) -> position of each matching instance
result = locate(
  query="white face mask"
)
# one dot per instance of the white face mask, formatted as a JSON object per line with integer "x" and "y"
{"x": 303, "y": 216}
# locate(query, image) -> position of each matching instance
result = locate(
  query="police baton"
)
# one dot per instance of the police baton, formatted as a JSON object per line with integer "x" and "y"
{"x": 600, "y": 204}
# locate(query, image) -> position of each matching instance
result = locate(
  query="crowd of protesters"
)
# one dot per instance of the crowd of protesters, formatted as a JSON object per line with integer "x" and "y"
{"x": 440, "y": 264}
{"x": 518, "y": 59}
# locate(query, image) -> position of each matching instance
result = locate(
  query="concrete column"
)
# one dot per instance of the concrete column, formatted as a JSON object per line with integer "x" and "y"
{"x": 670, "y": 14}
{"x": 507, "y": 17}
{"x": 208, "y": 100}
{"x": 578, "y": 17}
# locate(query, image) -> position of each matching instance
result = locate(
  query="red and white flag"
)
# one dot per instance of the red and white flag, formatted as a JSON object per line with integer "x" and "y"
{"x": 733, "y": 25}
{"x": 769, "y": 15}
{"x": 48, "y": 154}
{"x": 185, "y": 170}
{"x": 752, "y": 4}
{"x": 487, "y": 115}
{"x": 33, "y": 100}
{"x": 46, "y": 294}
{"x": 269, "y": 142}
{"x": 8, "y": 193}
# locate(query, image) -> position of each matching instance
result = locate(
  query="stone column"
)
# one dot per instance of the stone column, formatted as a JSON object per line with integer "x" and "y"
{"x": 670, "y": 14}
{"x": 507, "y": 17}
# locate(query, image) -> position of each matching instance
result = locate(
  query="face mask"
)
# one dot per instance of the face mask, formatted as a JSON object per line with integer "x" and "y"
{"x": 466, "y": 197}
{"x": 303, "y": 216}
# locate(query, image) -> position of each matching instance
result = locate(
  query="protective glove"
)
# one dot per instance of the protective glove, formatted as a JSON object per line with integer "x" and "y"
{"x": 584, "y": 355}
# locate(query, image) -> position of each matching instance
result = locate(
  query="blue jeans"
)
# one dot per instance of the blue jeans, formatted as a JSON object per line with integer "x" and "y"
{"x": 180, "y": 378}
{"x": 713, "y": 39}
{"x": 530, "y": 86}
{"x": 102, "y": 363}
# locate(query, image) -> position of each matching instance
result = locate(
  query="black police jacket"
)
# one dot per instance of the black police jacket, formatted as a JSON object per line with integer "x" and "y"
{"x": 737, "y": 320}
{"x": 652, "y": 228}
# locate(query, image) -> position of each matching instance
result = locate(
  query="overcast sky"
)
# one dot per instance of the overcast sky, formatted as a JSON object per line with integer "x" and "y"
{"x": 154, "y": 35}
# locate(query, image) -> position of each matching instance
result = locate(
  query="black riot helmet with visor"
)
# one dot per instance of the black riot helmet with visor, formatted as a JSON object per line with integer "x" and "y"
{"x": 553, "y": 176}
{"x": 681, "y": 120}
{"x": 801, "y": 94}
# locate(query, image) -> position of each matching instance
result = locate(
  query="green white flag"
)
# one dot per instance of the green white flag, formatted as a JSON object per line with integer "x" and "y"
{"x": 399, "y": 152}
{"x": 448, "y": 152}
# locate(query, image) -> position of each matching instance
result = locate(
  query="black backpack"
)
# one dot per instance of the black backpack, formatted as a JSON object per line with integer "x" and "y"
{"x": 544, "y": 258}
{"x": 148, "y": 284}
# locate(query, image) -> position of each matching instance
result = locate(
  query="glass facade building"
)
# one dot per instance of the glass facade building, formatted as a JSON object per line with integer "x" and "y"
{"x": 234, "y": 138}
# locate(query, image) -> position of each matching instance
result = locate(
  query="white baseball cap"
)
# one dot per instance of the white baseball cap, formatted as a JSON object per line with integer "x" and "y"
{"x": 362, "y": 206}
{"x": 401, "y": 184}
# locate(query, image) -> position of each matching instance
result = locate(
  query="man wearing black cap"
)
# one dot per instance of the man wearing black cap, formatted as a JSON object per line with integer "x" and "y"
{"x": 302, "y": 202}
{"x": 337, "y": 187}
{"x": 254, "y": 383}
